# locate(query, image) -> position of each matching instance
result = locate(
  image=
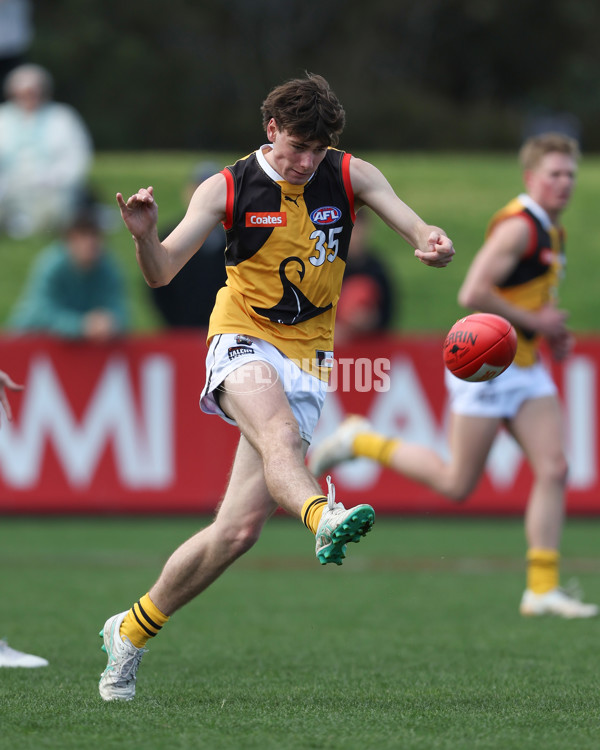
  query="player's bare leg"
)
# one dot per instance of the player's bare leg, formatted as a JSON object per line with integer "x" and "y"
{"x": 265, "y": 418}
{"x": 470, "y": 440}
{"x": 538, "y": 429}
{"x": 240, "y": 518}
{"x": 268, "y": 470}
{"x": 190, "y": 569}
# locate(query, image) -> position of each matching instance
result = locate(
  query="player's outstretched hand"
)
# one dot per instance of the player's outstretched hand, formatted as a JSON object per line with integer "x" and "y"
{"x": 551, "y": 322}
{"x": 561, "y": 345}
{"x": 439, "y": 251}
{"x": 6, "y": 382}
{"x": 139, "y": 212}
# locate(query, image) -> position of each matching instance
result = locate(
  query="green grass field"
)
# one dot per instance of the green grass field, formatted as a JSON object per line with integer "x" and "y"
{"x": 457, "y": 191}
{"x": 414, "y": 643}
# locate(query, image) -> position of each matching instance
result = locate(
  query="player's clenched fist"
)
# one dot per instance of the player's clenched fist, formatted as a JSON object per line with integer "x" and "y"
{"x": 439, "y": 253}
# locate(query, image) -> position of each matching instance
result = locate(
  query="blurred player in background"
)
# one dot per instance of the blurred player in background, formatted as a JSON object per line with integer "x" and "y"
{"x": 9, "y": 657}
{"x": 515, "y": 274}
{"x": 288, "y": 209}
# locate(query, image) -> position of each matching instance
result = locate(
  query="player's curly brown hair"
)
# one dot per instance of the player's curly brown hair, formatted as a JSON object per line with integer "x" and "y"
{"x": 306, "y": 107}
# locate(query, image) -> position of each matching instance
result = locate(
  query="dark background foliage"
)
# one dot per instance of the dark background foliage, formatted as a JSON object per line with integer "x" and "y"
{"x": 431, "y": 74}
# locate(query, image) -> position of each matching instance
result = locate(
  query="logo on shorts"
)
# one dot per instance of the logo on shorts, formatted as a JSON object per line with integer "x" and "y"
{"x": 326, "y": 215}
{"x": 245, "y": 340}
{"x": 324, "y": 359}
{"x": 266, "y": 219}
{"x": 238, "y": 351}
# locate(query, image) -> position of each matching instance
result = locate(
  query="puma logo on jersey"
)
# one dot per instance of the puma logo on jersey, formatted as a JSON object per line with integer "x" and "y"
{"x": 266, "y": 219}
{"x": 326, "y": 215}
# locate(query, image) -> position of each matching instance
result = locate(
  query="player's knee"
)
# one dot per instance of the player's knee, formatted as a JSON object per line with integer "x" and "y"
{"x": 239, "y": 539}
{"x": 457, "y": 494}
{"x": 245, "y": 539}
{"x": 459, "y": 489}
{"x": 291, "y": 436}
{"x": 555, "y": 469}
{"x": 282, "y": 439}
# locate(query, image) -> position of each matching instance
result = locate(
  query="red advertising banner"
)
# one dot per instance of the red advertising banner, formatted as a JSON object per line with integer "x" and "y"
{"x": 116, "y": 428}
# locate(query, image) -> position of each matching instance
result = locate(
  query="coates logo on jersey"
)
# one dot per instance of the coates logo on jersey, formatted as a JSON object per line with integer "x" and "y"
{"x": 266, "y": 219}
{"x": 326, "y": 215}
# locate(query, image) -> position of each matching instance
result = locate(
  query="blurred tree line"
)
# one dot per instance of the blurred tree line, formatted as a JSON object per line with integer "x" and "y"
{"x": 431, "y": 74}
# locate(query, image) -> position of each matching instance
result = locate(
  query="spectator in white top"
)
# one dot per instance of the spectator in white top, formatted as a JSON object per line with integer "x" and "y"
{"x": 45, "y": 155}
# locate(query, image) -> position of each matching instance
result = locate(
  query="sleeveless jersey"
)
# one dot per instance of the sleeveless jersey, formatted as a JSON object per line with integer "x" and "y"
{"x": 534, "y": 281}
{"x": 285, "y": 259}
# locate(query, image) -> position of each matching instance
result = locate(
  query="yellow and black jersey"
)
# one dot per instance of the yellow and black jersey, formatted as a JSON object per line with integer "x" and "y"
{"x": 285, "y": 259}
{"x": 534, "y": 281}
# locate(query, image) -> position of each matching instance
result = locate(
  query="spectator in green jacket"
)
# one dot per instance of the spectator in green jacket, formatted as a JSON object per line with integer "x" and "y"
{"x": 75, "y": 289}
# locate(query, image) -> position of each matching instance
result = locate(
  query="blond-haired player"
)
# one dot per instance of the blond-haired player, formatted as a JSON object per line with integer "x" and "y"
{"x": 515, "y": 274}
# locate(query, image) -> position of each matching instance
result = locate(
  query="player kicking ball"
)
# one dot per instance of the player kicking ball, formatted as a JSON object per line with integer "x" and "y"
{"x": 514, "y": 275}
{"x": 288, "y": 210}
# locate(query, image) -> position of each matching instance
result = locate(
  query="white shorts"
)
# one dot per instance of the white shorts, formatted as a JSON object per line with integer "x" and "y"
{"x": 229, "y": 351}
{"x": 503, "y": 396}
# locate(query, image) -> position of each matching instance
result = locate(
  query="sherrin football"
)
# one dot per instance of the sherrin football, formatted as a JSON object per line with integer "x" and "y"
{"x": 480, "y": 347}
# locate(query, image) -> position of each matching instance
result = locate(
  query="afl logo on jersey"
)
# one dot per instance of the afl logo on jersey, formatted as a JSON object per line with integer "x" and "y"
{"x": 326, "y": 215}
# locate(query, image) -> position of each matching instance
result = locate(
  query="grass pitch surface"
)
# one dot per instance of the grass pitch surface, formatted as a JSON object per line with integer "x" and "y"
{"x": 415, "y": 642}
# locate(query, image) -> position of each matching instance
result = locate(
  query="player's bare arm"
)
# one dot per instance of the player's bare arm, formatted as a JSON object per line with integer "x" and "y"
{"x": 493, "y": 263}
{"x": 372, "y": 189}
{"x": 160, "y": 262}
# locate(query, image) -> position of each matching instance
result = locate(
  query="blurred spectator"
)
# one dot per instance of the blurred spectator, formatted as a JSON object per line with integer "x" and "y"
{"x": 188, "y": 300}
{"x": 45, "y": 155}
{"x": 366, "y": 300}
{"x": 75, "y": 289}
{"x": 16, "y": 33}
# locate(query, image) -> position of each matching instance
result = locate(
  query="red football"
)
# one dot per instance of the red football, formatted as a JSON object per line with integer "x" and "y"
{"x": 480, "y": 347}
